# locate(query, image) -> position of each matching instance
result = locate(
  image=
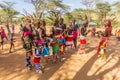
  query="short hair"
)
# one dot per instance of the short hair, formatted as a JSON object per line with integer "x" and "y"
{"x": 62, "y": 19}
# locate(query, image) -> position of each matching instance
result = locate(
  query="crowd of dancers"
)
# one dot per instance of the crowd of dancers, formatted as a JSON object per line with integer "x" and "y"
{"x": 38, "y": 45}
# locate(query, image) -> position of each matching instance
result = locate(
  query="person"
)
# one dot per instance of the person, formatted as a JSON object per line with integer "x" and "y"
{"x": 83, "y": 31}
{"x": 46, "y": 50}
{"x": 11, "y": 42}
{"x": 93, "y": 31}
{"x": 13, "y": 29}
{"x": 8, "y": 29}
{"x": 37, "y": 54}
{"x": 75, "y": 36}
{"x": 42, "y": 30}
{"x": 27, "y": 45}
{"x": 61, "y": 42}
{"x": 108, "y": 29}
{"x": 82, "y": 45}
{"x": 62, "y": 25}
{"x": 69, "y": 37}
{"x": 3, "y": 35}
{"x": 85, "y": 23}
{"x": 55, "y": 50}
{"x": 102, "y": 47}
{"x": 75, "y": 33}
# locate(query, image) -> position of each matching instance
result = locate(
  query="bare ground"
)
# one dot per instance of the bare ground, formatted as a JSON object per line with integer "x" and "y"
{"x": 12, "y": 65}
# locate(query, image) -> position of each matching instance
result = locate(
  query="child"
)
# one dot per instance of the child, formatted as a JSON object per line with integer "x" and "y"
{"x": 83, "y": 31}
{"x": 82, "y": 45}
{"x": 61, "y": 42}
{"x": 11, "y": 42}
{"x": 46, "y": 51}
{"x": 69, "y": 37}
{"x": 55, "y": 50}
{"x": 93, "y": 32}
{"x": 37, "y": 54}
{"x": 27, "y": 45}
{"x": 3, "y": 35}
{"x": 102, "y": 48}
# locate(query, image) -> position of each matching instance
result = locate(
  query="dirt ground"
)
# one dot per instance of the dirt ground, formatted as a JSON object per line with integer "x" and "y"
{"x": 74, "y": 67}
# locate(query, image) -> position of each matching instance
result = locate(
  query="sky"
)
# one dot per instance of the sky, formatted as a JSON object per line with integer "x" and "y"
{"x": 21, "y": 5}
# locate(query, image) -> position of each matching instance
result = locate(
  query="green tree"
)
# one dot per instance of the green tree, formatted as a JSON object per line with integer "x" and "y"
{"x": 117, "y": 6}
{"x": 9, "y": 12}
{"x": 103, "y": 10}
{"x": 56, "y": 8}
{"x": 39, "y": 6}
{"x": 53, "y": 8}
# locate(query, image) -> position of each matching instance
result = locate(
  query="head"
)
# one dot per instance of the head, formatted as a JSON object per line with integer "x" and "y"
{"x": 73, "y": 22}
{"x": 21, "y": 25}
{"x": 25, "y": 29}
{"x": 108, "y": 23}
{"x": 70, "y": 24}
{"x": 61, "y": 21}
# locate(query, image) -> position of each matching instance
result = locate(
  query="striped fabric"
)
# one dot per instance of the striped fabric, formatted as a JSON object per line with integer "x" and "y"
{"x": 69, "y": 40}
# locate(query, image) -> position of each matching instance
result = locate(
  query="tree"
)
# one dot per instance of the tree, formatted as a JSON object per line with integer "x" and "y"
{"x": 117, "y": 6}
{"x": 56, "y": 8}
{"x": 50, "y": 7}
{"x": 103, "y": 9}
{"x": 9, "y": 12}
{"x": 39, "y": 6}
{"x": 90, "y": 4}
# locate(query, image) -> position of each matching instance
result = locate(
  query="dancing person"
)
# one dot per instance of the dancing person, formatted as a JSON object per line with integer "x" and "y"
{"x": 3, "y": 35}
{"x": 82, "y": 48}
{"x": 102, "y": 48}
{"x": 12, "y": 43}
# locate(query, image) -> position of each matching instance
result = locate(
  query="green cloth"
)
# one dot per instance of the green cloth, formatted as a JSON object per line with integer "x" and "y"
{"x": 26, "y": 39}
{"x": 55, "y": 48}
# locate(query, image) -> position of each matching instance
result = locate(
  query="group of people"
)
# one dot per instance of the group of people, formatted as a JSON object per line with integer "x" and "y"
{"x": 38, "y": 45}
{"x": 8, "y": 37}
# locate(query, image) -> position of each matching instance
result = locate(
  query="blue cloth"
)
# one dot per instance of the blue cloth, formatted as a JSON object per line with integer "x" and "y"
{"x": 63, "y": 41}
{"x": 28, "y": 62}
{"x": 45, "y": 52}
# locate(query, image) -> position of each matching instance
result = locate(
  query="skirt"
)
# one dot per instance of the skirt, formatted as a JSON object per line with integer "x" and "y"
{"x": 69, "y": 40}
{"x": 36, "y": 60}
{"x": 45, "y": 52}
{"x": 82, "y": 41}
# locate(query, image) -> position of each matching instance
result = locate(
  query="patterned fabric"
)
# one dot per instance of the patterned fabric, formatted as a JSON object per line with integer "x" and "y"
{"x": 27, "y": 46}
{"x": 45, "y": 52}
{"x": 37, "y": 52}
{"x": 82, "y": 40}
{"x": 3, "y": 34}
{"x": 69, "y": 40}
{"x": 101, "y": 45}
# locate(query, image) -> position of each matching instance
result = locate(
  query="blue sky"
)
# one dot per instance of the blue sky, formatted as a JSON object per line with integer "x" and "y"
{"x": 20, "y": 4}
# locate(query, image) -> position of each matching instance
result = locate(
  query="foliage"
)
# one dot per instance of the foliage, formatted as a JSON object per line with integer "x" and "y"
{"x": 8, "y": 13}
{"x": 53, "y": 8}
